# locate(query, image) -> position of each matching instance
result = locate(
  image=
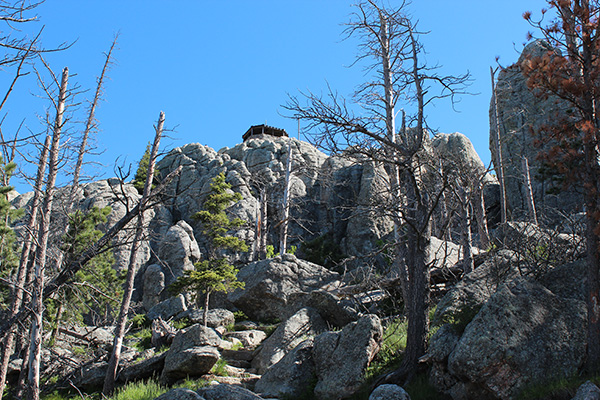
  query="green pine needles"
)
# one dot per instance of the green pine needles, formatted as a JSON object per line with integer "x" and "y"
{"x": 215, "y": 273}
{"x": 97, "y": 287}
{"x": 140, "y": 175}
{"x": 9, "y": 255}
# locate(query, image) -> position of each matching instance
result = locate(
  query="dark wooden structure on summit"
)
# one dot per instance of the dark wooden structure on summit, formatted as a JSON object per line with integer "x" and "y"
{"x": 263, "y": 130}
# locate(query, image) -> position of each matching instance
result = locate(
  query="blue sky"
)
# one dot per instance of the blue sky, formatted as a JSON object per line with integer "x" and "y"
{"x": 217, "y": 67}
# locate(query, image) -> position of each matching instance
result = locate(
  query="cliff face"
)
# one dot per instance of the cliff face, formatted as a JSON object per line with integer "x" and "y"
{"x": 522, "y": 117}
{"x": 326, "y": 192}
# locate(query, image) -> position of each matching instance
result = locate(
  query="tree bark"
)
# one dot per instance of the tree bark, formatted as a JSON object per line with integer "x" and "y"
{"x": 480, "y": 215}
{"x": 528, "y": 191}
{"x": 113, "y": 364}
{"x": 286, "y": 201}
{"x": 35, "y": 343}
{"x": 262, "y": 249}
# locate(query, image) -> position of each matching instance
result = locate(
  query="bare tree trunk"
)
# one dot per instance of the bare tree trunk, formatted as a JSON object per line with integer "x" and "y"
{"x": 90, "y": 123}
{"x": 480, "y": 215}
{"x": 40, "y": 261}
{"x": 498, "y": 146}
{"x": 466, "y": 239}
{"x": 286, "y": 200}
{"x": 262, "y": 249}
{"x": 206, "y": 304}
{"x": 419, "y": 238}
{"x": 528, "y": 191}
{"x": 113, "y": 364}
{"x": 18, "y": 292}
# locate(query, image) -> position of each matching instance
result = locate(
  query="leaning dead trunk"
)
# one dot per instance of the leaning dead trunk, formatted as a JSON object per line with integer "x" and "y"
{"x": 35, "y": 343}
{"x": 113, "y": 364}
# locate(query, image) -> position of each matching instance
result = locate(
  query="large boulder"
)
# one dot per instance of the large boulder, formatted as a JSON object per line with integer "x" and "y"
{"x": 216, "y": 317}
{"x": 342, "y": 357}
{"x": 464, "y": 300}
{"x": 505, "y": 347}
{"x": 270, "y": 283}
{"x": 193, "y": 353}
{"x": 587, "y": 391}
{"x": 292, "y": 377}
{"x": 168, "y": 308}
{"x": 153, "y": 285}
{"x": 389, "y": 392}
{"x": 227, "y": 392}
{"x": 178, "y": 251}
{"x": 305, "y": 323}
{"x": 180, "y": 394}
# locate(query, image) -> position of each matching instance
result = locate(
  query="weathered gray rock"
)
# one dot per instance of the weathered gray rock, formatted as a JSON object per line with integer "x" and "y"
{"x": 249, "y": 339}
{"x": 193, "y": 353}
{"x": 194, "y": 361}
{"x": 505, "y": 347}
{"x": 180, "y": 394}
{"x": 168, "y": 308}
{"x": 305, "y": 323}
{"x": 270, "y": 283}
{"x": 336, "y": 311}
{"x": 466, "y": 298}
{"x": 227, "y": 392}
{"x": 91, "y": 376}
{"x": 587, "y": 391}
{"x": 153, "y": 285}
{"x": 195, "y": 335}
{"x": 389, "y": 392}
{"x": 178, "y": 251}
{"x": 364, "y": 230}
{"x": 522, "y": 114}
{"x": 342, "y": 357}
{"x": 216, "y": 317}
{"x": 292, "y": 377}
{"x": 144, "y": 369}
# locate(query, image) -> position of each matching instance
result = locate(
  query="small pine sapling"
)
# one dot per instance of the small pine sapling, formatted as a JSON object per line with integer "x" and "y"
{"x": 215, "y": 273}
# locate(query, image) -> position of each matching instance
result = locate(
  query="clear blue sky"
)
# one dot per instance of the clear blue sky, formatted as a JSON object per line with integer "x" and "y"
{"x": 217, "y": 67}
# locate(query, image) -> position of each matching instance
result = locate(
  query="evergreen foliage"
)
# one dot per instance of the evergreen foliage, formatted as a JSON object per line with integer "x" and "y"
{"x": 215, "y": 273}
{"x": 97, "y": 287}
{"x": 140, "y": 175}
{"x": 9, "y": 257}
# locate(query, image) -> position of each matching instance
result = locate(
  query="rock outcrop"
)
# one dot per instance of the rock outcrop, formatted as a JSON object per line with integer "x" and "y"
{"x": 521, "y": 115}
{"x": 494, "y": 346}
{"x": 269, "y": 285}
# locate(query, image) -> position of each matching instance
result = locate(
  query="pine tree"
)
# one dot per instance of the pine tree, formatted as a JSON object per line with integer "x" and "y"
{"x": 142, "y": 171}
{"x": 89, "y": 292}
{"x": 215, "y": 273}
{"x": 9, "y": 258}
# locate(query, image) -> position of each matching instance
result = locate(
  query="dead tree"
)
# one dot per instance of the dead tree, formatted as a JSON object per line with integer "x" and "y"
{"x": 22, "y": 272}
{"x": 528, "y": 191}
{"x": 113, "y": 364}
{"x": 35, "y": 341}
{"x": 369, "y": 136}
{"x": 498, "y": 149}
{"x": 285, "y": 203}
